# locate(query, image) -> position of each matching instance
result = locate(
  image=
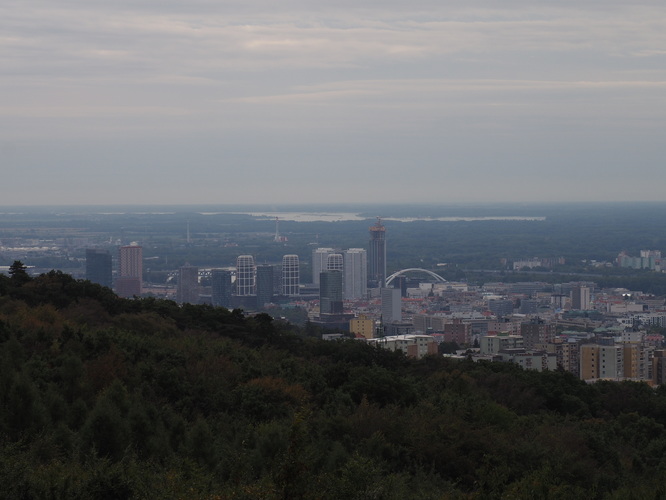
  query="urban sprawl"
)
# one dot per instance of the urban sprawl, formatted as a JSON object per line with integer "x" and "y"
{"x": 576, "y": 326}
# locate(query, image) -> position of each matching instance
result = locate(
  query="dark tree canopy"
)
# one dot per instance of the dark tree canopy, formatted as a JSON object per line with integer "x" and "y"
{"x": 104, "y": 397}
{"x": 18, "y": 273}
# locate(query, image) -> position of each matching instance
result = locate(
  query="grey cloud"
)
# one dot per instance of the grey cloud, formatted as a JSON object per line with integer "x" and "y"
{"x": 456, "y": 94}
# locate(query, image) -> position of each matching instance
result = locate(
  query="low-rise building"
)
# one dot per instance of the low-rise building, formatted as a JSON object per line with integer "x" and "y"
{"x": 414, "y": 346}
{"x": 493, "y": 344}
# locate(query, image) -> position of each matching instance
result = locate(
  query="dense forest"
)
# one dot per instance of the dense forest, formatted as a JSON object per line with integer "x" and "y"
{"x": 111, "y": 398}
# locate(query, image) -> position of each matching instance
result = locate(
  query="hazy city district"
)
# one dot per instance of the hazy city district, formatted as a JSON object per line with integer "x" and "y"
{"x": 394, "y": 352}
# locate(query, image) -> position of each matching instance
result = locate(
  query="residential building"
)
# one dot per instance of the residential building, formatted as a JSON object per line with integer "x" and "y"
{"x": 245, "y": 276}
{"x": 414, "y": 346}
{"x": 290, "y": 275}
{"x": 580, "y": 298}
{"x": 601, "y": 362}
{"x": 539, "y": 361}
{"x": 362, "y": 326}
{"x": 536, "y": 332}
{"x": 659, "y": 367}
{"x": 458, "y": 332}
{"x": 334, "y": 262}
{"x": 319, "y": 262}
{"x": 391, "y": 305}
{"x": 130, "y": 275}
{"x": 493, "y": 344}
{"x": 355, "y": 278}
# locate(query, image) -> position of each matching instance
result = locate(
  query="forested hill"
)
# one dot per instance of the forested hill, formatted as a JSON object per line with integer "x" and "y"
{"x": 103, "y": 397}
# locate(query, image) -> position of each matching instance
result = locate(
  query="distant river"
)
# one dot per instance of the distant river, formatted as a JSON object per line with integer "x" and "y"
{"x": 349, "y": 216}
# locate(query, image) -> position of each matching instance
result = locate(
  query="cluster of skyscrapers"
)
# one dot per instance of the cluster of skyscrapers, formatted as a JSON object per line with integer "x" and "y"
{"x": 254, "y": 285}
{"x": 338, "y": 274}
{"x": 352, "y": 264}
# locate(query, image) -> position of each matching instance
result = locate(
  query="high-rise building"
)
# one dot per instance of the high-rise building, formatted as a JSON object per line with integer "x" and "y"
{"x": 355, "y": 277}
{"x": 319, "y": 261}
{"x": 601, "y": 362}
{"x": 537, "y": 332}
{"x": 264, "y": 285}
{"x": 330, "y": 292}
{"x": 334, "y": 262}
{"x": 188, "y": 285}
{"x": 391, "y": 305}
{"x": 580, "y": 298}
{"x": 221, "y": 287}
{"x": 290, "y": 275}
{"x": 130, "y": 264}
{"x": 401, "y": 283}
{"x": 362, "y": 326}
{"x": 377, "y": 256}
{"x": 245, "y": 276}
{"x": 99, "y": 267}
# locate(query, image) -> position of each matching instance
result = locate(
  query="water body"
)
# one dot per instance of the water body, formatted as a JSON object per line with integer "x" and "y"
{"x": 349, "y": 216}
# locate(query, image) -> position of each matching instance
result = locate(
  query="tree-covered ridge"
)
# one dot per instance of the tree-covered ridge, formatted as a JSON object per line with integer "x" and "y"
{"x": 111, "y": 398}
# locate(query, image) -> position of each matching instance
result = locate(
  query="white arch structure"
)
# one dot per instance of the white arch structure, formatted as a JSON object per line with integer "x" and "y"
{"x": 414, "y": 269}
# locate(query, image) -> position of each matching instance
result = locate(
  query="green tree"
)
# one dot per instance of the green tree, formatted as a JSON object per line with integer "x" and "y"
{"x": 18, "y": 273}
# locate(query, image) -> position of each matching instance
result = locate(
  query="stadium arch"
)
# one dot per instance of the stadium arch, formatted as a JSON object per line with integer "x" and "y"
{"x": 436, "y": 276}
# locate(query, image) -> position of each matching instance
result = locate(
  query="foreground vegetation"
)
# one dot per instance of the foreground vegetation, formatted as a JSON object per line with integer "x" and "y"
{"x": 103, "y": 397}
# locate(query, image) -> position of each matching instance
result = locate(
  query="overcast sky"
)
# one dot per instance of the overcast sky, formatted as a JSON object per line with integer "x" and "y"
{"x": 194, "y": 101}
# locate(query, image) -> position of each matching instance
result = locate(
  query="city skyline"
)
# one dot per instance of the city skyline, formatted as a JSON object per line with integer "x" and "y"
{"x": 195, "y": 102}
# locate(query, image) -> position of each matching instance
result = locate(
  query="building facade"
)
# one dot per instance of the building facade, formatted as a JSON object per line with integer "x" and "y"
{"x": 221, "y": 288}
{"x": 580, "y": 298}
{"x": 99, "y": 267}
{"x": 377, "y": 256}
{"x": 414, "y": 346}
{"x": 334, "y": 262}
{"x": 188, "y": 285}
{"x": 264, "y": 275}
{"x": 330, "y": 292}
{"x": 363, "y": 326}
{"x": 537, "y": 332}
{"x": 601, "y": 362}
{"x": 355, "y": 279}
{"x": 245, "y": 276}
{"x": 319, "y": 260}
{"x": 501, "y": 307}
{"x": 391, "y": 305}
{"x": 291, "y": 280}
{"x": 130, "y": 271}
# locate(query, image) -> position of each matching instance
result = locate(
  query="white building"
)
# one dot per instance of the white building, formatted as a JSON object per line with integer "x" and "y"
{"x": 245, "y": 276}
{"x": 414, "y": 346}
{"x": 319, "y": 261}
{"x": 334, "y": 262}
{"x": 493, "y": 344}
{"x": 290, "y": 275}
{"x": 355, "y": 278}
{"x": 391, "y": 305}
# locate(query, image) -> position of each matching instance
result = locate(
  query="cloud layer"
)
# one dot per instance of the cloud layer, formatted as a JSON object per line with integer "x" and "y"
{"x": 186, "y": 102}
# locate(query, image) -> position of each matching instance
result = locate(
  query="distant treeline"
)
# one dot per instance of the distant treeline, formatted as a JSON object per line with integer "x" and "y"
{"x": 576, "y": 232}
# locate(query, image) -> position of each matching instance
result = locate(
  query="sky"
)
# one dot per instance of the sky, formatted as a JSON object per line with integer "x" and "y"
{"x": 197, "y": 101}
